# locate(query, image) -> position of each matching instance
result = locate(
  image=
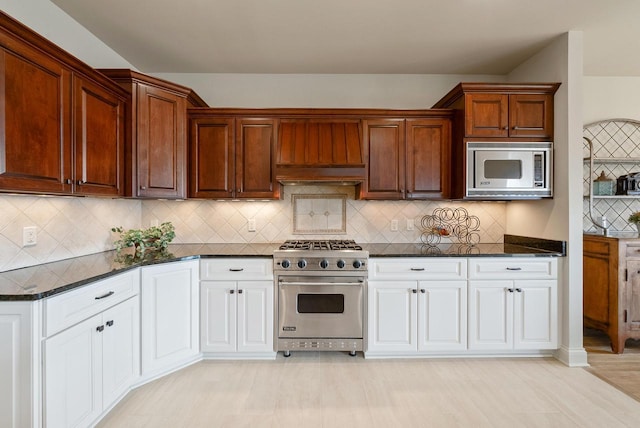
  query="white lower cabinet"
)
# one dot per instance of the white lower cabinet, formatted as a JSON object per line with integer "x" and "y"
{"x": 169, "y": 316}
{"x": 517, "y": 309}
{"x": 236, "y": 308}
{"x": 413, "y": 315}
{"x": 90, "y": 365}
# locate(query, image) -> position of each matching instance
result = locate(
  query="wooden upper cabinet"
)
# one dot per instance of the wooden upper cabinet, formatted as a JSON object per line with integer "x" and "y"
{"x": 503, "y": 110}
{"x": 35, "y": 121}
{"x": 99, "y": 140}
{"x": 61, "y": 122}
{"x": 254, "y": 152}
{"x": 232, "y": 157}
{"x": 487, "y": 115}
{"x": 212, "y": 158}
{"x": 428, "y": 158}
{"x": 384, "y": 142}
{"x": 156, "y": 148}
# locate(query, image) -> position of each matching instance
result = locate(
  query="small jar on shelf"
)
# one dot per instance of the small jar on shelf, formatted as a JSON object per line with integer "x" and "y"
{"x": 603, "y": 185}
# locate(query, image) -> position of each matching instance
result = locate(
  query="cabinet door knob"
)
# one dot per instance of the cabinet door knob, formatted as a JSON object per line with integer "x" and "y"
{"x": 519, "y": 290}
{"x": 414, "y": 290}
{"x": 510, "y": 290}
{"x": 109, "y": 323}
{"x": 100, "y": 328}
{"x": 81, "y": 182}
{"x": 68, "y": 181}
{"x": 239, "y": 291}
{"x": 232, "y": 291}
{"x": 143, "y": 187}
{"x": 422, "y": 290}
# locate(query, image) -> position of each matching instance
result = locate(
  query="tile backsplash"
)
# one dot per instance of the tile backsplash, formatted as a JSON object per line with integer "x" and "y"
{"x": 70, "y": 227}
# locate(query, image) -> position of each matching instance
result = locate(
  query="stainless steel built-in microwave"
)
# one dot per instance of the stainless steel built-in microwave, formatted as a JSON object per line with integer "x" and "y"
{"x": 509, "y": 170}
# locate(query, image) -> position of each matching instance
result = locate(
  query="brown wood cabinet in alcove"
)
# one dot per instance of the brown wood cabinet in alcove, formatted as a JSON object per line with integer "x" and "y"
{"x": 611, "y": 287}
{"x": 61, "y": 122}
{"x": 156, "y": 149}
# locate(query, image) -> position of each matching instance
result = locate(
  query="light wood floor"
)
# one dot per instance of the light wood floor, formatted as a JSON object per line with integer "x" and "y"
{"x": 619, "y": 370}
{"x": 334, "y": 390}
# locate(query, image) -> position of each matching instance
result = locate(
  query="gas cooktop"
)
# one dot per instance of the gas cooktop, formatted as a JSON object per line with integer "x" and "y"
{"x": 313, "y": 245}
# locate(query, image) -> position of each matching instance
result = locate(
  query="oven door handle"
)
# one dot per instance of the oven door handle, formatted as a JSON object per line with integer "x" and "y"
{"x": 301, "y": 283}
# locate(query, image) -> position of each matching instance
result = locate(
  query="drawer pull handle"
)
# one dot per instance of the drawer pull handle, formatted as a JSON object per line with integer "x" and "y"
{"x": 110, "y": 293}
{"x": 236, "y": 269}
{"x": 514, "y": 268}
{"x": 100, "y": 328}
{"x": 109, "y": 323}
{"x": 417, "y": 269}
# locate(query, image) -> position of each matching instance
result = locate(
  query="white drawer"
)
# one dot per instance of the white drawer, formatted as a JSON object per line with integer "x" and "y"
{"x": 69, "y": 308}
{"x": 418, "y": 268}
{"x": 513, "y": 268}
{"x": 236, "y": 269}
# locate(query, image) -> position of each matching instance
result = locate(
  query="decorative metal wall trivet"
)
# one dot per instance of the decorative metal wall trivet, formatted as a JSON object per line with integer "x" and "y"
{"x": 454, "y": 224}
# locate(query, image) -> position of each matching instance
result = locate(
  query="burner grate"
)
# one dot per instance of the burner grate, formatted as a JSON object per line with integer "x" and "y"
{"x": 327, "y": 245}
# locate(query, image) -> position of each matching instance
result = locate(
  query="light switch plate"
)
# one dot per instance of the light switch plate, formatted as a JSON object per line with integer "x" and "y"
{"x": 394, "y": 225}
{"x": 251, "y": 225}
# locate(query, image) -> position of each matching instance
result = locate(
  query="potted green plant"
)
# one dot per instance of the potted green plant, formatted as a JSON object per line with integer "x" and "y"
{"x": 634, "y": 218}
{"x": 155, "y": 238}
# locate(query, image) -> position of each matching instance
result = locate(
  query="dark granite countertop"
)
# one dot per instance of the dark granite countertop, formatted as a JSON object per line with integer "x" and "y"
{"x": 40, "y": 281}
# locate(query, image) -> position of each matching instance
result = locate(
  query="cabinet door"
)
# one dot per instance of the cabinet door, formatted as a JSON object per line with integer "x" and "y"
{"x": 490, "y": 315}
{"x": 535, "y": 314}
{"x": 212, "y": 158}
{"x": 170, "y": 315}
{"x": 428, "y": 158}
{"x": 255, "y": 316}
{"x": 531, "y": 115}
{"x": 392, "y": 316}
{"x": 384, "y": 146}
{"x": 631, "y": 300}
{"x": 99, "y": 140}
{"x": 73, "y": 375}
{"x": 255, "y": 163}
{"x": 35, "y": 120}
{"x": 121, "y": 349}
{"x": 442, "y": 316}
{"x": 218, "y": 320}
{"x": 161, "y": 140}
{"x": 486, "y": 115}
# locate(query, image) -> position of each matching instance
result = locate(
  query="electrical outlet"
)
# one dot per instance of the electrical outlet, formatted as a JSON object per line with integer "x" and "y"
{"x": 394, "y": 225}
{"x": 29, "y": 236}
{"x": 410, "y": 224}
{"x": 251, "y": 225}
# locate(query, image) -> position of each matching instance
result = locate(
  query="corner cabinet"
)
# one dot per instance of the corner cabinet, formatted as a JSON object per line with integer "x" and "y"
{"x": 169, "y": 317}
{"x": 237, "y": 301}
{"x": 231, "y": 157}
{"x": 56, "y": 110}
{"x": 156, "y": 145}
{"x": 407, "y": 158}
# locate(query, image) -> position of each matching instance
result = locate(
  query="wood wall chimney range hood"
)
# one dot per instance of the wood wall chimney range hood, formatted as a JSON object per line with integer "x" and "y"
{"x": 323, "y": 151}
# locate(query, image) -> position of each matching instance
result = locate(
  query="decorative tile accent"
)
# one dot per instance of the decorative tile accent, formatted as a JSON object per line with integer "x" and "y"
{"x": 319, "y": 214}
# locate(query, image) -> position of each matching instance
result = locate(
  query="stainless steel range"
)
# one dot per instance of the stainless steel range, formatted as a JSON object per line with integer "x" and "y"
{"x": 321, "y": 289}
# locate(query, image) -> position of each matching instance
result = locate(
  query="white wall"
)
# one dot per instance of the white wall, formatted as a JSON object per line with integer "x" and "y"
{"x": 50, "y": 21}
{"x": 397, "y": 91}
{"x": 611, "y": 98}
{"x": 561, "y": 217}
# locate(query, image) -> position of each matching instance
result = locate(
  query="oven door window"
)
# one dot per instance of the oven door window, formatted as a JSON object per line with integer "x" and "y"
{"x": 320, "y": 303}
